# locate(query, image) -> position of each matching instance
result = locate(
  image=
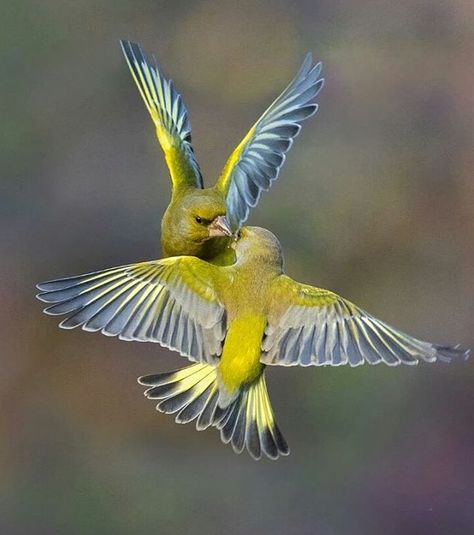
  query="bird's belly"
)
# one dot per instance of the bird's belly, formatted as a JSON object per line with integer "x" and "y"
{"x": 240, "y": 360}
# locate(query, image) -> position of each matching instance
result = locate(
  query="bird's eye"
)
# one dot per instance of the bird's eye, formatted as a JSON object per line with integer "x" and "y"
{"x": 198, "y": 219}
{"x": 239, "y": 234}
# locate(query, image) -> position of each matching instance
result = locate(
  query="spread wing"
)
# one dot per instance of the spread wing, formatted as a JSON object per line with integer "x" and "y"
{"x": 257, "y": 160}
{"x": 169, "y": 114}
{"x": 171, "y": 301}
{"x": 315, "y": 327}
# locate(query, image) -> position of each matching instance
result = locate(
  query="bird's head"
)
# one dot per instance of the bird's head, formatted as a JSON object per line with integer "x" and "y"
{"x": 192, "y": 220}
{"x": 256, "y": 243}
{"x": 204, "y": 215}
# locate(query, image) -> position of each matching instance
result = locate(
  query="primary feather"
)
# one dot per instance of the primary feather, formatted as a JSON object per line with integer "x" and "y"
{"x": 315, "y": 327}
{"x": 169, "y": 114}
{"x": 162, "y": 301}
{"x": 256, "y": 162}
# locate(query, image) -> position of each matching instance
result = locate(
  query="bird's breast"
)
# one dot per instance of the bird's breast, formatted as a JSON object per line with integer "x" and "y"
{"x": 240, "y": 361}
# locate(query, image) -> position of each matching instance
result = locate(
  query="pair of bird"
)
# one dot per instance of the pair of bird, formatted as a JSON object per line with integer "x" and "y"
{"x": 220, "y": 296}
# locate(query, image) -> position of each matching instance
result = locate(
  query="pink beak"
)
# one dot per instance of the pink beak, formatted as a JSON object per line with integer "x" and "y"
{"x": 220, "y": 227}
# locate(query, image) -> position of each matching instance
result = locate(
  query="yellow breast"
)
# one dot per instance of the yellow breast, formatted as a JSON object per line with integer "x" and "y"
{"x": 240, "y": 360}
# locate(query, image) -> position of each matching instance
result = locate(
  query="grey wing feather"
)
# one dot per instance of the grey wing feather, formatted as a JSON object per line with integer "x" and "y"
{"x": 140, "y": 302}
{"x": 262, "y": 157}
{"x": 163, "y": 102}
{"x": 342, "y": 333}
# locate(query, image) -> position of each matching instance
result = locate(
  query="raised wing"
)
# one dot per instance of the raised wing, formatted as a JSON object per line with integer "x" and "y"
{"x": 169, "y": 114}
{"x": 257, "y": 160}
{"x": 315, "y": 327}
{"x": 171, "y": 301}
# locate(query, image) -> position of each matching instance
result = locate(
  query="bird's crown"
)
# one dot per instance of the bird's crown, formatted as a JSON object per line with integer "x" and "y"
{"x": 258, "y": 243}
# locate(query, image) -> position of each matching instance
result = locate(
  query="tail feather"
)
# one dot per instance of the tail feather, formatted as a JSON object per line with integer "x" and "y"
{"x": 192, "y": 393}
{"x": 249, "y": 423}
{"x": 196, "y": 408}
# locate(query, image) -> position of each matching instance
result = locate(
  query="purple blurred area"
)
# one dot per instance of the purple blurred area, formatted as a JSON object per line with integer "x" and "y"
{"x": 376, "y": 202}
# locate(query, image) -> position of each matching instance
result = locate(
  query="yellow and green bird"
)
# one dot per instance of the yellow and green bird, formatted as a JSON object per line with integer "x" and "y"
{"x": 197, "y": 218}
{"x": 232, "y": 321}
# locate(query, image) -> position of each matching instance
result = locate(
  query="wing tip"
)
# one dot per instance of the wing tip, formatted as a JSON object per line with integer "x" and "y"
{"x": 445, "y": 353}
{"x": 308, "y": 58}
{"x": 67, "y": 326}
{"x": 49, "y": 286}
{"x": 124, "y": 43}
{"x": 128, "y": 48}
{"x": 309, "y": 66}
{"x": 41, "y": 295}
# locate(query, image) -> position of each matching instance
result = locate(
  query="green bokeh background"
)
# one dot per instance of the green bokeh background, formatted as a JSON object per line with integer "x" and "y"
{"x": 376, "y": 202}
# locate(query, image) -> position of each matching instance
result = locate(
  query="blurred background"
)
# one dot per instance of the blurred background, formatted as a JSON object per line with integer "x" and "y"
{"x": 376, "y": 202}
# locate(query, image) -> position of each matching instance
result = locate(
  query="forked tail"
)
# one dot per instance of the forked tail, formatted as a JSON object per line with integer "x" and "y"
{"x": 192, "y": 394}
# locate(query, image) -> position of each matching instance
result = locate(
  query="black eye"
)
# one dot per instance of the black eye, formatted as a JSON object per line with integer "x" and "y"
{"x": 198, "y": 219}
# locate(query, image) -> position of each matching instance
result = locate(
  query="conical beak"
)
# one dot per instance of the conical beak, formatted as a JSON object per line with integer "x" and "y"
{"x": 220, "y": 227}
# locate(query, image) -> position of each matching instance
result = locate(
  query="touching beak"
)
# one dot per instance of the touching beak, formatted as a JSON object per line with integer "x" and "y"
{"x": 220, "y": 227}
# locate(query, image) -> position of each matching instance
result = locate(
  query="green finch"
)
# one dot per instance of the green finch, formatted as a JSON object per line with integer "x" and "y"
{"x": 232, "y": 321}
{"x": 197, "y": 218}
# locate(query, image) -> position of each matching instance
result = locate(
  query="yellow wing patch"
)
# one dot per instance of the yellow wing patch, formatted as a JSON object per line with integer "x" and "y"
{"x": 169, "y": 114}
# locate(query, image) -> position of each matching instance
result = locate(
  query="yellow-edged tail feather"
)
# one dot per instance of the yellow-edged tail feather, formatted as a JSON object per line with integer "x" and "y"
{"x": 192, "y": 394}
{"x": 249, "y": 423}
